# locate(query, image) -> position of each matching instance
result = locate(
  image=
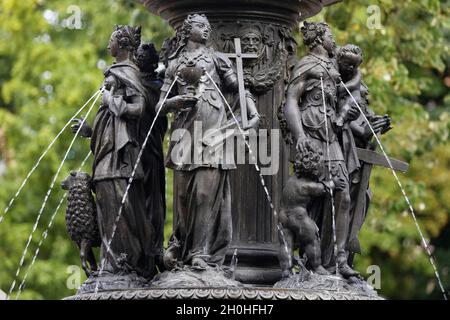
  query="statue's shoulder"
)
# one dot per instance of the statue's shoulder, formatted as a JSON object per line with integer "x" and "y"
{"x": 217, "y": 54}
{"x": 123, "y": 69}
{"x": 303, "y": 66}
{"x": 221, "y": 62}
{"x": 220, "y": 58}
{"x": 172, "y": 67}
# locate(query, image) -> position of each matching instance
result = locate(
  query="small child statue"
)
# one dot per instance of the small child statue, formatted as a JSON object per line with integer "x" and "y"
{"x": 298, "y": 229}
{"x": 349, "y": 59}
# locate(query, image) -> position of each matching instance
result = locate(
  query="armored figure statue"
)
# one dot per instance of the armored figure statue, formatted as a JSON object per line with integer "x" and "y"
{"x": 202, "y": 209}
{"x": 312, "y": 128}
{"x": 299, "y": 230}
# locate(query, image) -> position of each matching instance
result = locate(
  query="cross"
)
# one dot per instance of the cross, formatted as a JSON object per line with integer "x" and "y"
{"x": 239, "y": 56}
{"x": 373, "y": 158}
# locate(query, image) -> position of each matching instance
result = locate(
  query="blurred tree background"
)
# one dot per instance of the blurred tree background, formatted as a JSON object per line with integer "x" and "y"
{"x": 51, "y": 63}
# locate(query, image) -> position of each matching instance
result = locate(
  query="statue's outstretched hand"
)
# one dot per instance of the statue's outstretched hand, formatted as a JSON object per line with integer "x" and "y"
{"x": 381, "y": 124}
{"x": 85, "y": 131}
{"x": 181, "y": 103}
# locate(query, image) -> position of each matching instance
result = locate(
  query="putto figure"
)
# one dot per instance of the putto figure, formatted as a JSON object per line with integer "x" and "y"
{"x": 299, "y": 230}
{"x": 202, "y": 191}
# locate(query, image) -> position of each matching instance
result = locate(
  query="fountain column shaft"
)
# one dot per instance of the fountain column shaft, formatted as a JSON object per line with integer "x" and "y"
{"x": 254, "y": 226}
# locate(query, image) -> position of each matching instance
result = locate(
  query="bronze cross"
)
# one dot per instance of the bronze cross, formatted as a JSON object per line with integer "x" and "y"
{"x": 239, "y": 56}
{"x": 370, "y": 159}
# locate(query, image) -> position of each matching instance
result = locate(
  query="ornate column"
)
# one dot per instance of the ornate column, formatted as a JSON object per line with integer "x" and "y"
{"x": 264, "y": 27}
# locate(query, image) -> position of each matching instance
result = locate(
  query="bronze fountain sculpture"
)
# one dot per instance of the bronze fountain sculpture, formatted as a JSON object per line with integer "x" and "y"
{"x": 235, "y": 229}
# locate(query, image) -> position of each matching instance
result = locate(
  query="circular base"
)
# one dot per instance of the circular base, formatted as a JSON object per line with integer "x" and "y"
{"x": 246, "y": 293}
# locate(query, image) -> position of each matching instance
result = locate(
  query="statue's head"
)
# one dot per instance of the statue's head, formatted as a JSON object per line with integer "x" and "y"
{"x": 196, "y": 28}
{"x": 147, "y": 57}
{"x": 124, "y": 39}
{"x": 252, "y": 40}
{"x": 76, "y": 179}
{"x": 308, "y": 164}
{"x": 349, "y": 59}
{"x": 318, "y": 34}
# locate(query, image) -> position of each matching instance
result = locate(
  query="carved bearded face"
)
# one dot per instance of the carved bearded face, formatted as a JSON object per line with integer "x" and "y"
{"x": 251, "y": 42}
{"x": 200, "y": 31}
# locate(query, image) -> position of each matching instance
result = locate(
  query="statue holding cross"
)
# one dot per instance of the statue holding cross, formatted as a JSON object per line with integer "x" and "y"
{"x": 239, "y": 56}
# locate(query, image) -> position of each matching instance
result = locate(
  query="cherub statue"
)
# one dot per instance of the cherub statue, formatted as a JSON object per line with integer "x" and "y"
{"x": 349, "y": 59}
{"x": 298, "y": 229}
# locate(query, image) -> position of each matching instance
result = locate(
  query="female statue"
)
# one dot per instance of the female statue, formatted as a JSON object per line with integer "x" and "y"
{"x": 202, "y": 192}
{"x": 117, "y": 136}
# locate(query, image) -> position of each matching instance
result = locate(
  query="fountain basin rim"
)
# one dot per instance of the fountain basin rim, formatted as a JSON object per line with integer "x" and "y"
{"x": 221, "y": 293}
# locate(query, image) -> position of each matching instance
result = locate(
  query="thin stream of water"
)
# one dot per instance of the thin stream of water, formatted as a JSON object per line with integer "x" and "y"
{"x": 44, "y": 203}
{"x": 411, "y": 209}
{"x": 130, "y": 181}
{"x": 45, "y": 234}
{"x": 333, "y": 209}
{"x": 269, "y": 198}
{"x": 8, "y": 207}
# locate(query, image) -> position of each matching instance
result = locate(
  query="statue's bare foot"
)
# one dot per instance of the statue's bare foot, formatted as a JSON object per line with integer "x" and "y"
{"x": 321, "y": 271}
{"x": 347, "y": 272}
{"x": 199, "y": 264}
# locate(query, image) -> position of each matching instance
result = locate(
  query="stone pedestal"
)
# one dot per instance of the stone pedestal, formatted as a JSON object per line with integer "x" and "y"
{"x": 254, "y": 234}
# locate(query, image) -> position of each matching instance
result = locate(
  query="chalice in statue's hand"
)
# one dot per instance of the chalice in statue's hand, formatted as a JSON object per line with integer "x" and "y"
{"x": 191, "y": 76}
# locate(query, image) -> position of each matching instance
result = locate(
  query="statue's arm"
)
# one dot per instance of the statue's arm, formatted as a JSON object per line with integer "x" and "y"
{"x": 253, "y": 113}
{"x": 350, "y": 112}
{"x": 175, "y": 104}
{"x": 131, "y": 109}
{"x": 360, "y": 129}
{"x": 231, "y": 81}
{"x": 164, "y": 108}
{"x": 292, "y": 112}
{"x": 352, "y": 85}
{"x": 355, "y": 83}
{"x": 82, "y": 127}
{"x": 226, "y": 72}
{"x": 316, "y": 189}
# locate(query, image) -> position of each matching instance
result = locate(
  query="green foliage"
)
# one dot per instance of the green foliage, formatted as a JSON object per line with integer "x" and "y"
{"x": 47, "y": 71}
